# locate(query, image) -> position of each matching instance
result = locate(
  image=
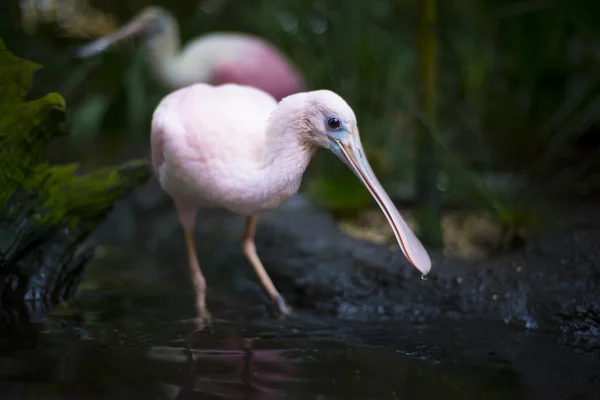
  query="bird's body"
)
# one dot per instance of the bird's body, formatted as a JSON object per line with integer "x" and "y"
{"x": 228, "y": 57}
{"x": 236, "y": 147}
{"x": 216, "y": 58}
{"x": 236, "y": 164}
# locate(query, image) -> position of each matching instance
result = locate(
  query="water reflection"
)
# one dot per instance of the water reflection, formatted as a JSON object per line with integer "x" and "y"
{"x": 253, "y": 356}
{"x": 233, "y": 367}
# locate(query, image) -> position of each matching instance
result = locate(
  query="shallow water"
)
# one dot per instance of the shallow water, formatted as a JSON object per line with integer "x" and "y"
{"x": 119, "y": 346}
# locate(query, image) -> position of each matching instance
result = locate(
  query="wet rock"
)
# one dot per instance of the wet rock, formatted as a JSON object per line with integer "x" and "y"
{"x": 551, "y": 283}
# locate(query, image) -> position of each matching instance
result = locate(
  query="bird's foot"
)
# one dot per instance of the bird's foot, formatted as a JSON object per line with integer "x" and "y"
{"x": 204, "y": 318}
{"x": 284, "y": 309}
{"x": 204, "y": 314}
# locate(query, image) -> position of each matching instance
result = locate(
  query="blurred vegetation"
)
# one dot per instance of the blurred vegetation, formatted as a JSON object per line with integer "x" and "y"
{"x": 427, "y": 166}
{"x": 518, "y": 91}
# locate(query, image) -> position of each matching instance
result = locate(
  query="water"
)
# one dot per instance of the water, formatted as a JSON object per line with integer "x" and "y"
{"x": 132, "y": 334}
{"x": 145, "y": 345}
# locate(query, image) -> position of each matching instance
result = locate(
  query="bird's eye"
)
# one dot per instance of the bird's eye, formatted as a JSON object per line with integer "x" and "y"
{"x": 334, "y": 123}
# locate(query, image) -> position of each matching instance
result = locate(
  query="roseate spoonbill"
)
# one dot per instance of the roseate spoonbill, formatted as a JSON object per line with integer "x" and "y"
{"x": 219, "y": 57}
{"x": 235, "y": 147}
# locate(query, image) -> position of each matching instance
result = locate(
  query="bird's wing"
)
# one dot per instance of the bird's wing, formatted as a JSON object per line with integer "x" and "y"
{"x": 209, "y": 142}
{"x": 214, "y": 128}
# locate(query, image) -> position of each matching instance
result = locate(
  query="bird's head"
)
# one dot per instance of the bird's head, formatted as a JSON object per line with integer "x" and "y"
{"x": 149, "y": 23}
{"x": 326, "y": 120}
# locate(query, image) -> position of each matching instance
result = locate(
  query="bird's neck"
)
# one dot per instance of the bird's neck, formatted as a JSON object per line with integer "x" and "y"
{"x": 163, "y": 53}
{"x": 287, "y": 151}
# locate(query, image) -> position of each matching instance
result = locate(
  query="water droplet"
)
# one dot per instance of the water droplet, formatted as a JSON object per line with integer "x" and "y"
{"x": 423, "y": 277}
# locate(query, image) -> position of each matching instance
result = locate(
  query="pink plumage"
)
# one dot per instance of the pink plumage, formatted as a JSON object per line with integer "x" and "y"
{"x": 262, "y": 67}
{"x": 216, "y": 58}
{"x": 236, "y": 147}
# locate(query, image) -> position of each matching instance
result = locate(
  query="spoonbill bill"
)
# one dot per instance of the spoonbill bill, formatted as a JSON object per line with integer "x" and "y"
{"x": 235, "y": 147}
{"x": 216, "y": 58}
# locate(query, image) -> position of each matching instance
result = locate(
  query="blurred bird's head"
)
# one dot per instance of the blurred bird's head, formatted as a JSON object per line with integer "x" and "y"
{"x": 151, "y": 23}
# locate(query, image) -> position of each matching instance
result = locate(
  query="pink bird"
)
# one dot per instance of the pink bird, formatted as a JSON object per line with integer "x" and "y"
{"x": 236, "y": 147}
{"x": 214, "y": 58}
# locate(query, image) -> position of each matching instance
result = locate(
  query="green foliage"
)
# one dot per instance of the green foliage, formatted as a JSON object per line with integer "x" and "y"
{"x": 427, "y": 168}
{"x": 521, "y": 88}
{"x": 343, "y": 193}
{"x": 521, "y": 213}
{"x": 26, "y": 127}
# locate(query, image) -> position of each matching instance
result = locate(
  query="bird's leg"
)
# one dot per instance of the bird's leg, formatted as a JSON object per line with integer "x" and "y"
{"x": 197, "y": 278}
{"x": 249, "y": 248}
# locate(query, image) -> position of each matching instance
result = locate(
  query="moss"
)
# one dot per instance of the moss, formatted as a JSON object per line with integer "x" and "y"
{"x": 69, "y": 197}
{"x": 26, "y": 127}
{"x": 46, "y": 211}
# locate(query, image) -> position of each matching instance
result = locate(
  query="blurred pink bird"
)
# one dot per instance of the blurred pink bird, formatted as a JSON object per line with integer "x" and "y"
{"x": 214, "y": 58}
{"x": 236, "y": 147}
